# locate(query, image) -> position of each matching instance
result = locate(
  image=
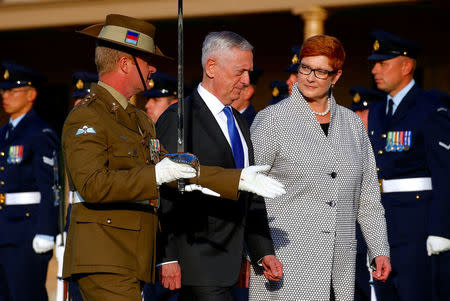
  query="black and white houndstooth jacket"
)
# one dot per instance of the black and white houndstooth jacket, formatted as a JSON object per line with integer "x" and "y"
{"x": 331, "y": 183}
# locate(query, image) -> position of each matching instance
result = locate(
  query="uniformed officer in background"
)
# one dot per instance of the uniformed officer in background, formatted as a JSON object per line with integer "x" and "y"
{"x": 280, "y": 91}
{"x": 362, "y": 99}
{"x": 28, "y": 214}
{"x": 293, "y": 67}
{"x": 244, "y": 103}
{"x": 438, "y": 158}
{"x": 82, "y": 81}
{"x": 400, "y": 143}
{"x": 162, "y": 94}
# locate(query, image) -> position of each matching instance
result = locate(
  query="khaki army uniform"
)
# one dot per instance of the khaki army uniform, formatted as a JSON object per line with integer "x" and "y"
{"x": 108, "y": 156}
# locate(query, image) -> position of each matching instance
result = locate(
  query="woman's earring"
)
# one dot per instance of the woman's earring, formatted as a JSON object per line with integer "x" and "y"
{"x": 330, "y": 91}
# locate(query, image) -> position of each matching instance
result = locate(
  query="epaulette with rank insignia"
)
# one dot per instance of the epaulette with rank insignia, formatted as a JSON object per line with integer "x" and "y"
{"x": 87, "y": 100}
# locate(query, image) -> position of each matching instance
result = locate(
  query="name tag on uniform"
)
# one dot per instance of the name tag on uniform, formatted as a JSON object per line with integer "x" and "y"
{"x": 398, "y": 141}
{"x": 15, "y": 154}
{"x": 155, "y": 150}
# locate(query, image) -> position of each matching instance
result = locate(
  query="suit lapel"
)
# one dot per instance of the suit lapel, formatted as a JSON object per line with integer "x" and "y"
{"x": 405, "y": 106}
{"x": 377, "y": 116}
{"x": 22, "y": 124}
{"x": 243, "y": 125}
{"x": 206, "y": 120}
{"x": 2, "y": 135}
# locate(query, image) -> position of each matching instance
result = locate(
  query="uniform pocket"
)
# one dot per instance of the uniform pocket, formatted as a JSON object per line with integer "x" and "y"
{"x": 107, "y": 238}
{"x": 123, "y": 155}
{"x": 124, "y": 150}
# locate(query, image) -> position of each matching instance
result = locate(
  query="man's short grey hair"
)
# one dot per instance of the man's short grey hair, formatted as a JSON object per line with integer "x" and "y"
{"x": 221, "y": 41}
{"x": 106, "y": 59}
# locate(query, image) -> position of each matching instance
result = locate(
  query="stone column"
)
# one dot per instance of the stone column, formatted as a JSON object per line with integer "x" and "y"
{"x": 313, "y": 19}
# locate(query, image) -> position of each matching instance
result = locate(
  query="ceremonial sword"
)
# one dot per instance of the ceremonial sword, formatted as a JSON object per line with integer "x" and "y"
{"x": 180, "y": 119}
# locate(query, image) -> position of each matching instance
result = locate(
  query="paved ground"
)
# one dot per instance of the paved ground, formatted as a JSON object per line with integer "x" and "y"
{"x": 51, "y": 279}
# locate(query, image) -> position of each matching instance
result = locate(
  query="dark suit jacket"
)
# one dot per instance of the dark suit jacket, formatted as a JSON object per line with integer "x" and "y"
{"x": 206, "y": 234}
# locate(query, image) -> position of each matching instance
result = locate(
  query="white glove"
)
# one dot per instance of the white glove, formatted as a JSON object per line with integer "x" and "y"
{"x": 437, "y": 244}
{"x": 192, "y": 187}
{"x": 42, "y": 245}
{"x": 253, "y": 181}
{"x": 59, "y": 251}
{"x": 167, "y": 171}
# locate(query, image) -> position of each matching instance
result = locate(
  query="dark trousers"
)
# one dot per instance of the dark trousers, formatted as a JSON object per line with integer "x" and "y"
{"x": 410, "y": 279}
{"x": 240, "y": 294}
{"x": 157, "y": 292}
{"x": 23, "y": 272}
{"x": 74, "y": 291}
{"x": 440, "y": 265}
{"x": 109, "y": 287}
{"x": 205, "y": 293}
{"x": 362, "y": 278}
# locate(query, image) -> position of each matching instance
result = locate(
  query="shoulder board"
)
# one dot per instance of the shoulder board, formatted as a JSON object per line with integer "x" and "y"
{"x": 142, "y": 114}
{"x": 87, "y": 99}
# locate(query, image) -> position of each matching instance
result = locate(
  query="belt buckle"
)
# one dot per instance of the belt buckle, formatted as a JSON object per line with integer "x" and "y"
{"x": 154, "y": 203}
{"x": 380, "y": 182}
{"x": 2, "y": 198}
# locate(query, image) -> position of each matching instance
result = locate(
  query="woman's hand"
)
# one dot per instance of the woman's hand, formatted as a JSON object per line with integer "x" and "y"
{"x": 383, "y": 268}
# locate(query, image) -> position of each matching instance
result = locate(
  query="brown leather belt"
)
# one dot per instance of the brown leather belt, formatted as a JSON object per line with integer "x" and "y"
{"x": 78, "y": 199}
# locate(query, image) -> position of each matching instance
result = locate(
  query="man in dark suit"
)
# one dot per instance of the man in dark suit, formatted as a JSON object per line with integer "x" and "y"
{"x": 399, "y": 139}
{"x": 28, "y": 214}
{"x": 204, "y": 236}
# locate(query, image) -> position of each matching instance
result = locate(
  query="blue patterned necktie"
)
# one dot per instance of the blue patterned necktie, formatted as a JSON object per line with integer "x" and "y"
{"x": 236, "y": 144}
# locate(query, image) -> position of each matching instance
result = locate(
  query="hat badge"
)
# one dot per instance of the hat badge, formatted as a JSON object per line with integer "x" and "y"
{"x": 295, "y": 59}
{"x": 376, "y": 45}
{"x": 6, "y": 74}
{"x": 357, "y": 98}
{"x": 80, "y": 84}
{"x": 275, "y": 92}
{"x": 151, "y": 83}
